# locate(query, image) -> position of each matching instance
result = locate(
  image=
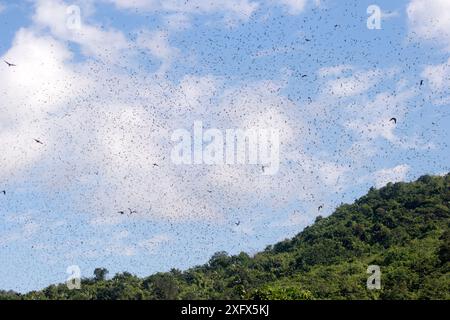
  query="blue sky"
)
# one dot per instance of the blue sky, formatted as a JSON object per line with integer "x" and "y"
{"x": 105, "y": 97}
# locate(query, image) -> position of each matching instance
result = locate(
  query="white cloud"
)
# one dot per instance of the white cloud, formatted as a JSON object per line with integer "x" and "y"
{"x": 295, "y": 219}
{"x": 438, "y": 75}
{"x": 357, "y": 83}
{"x": 177, "y": 21}
{"x": 157, "y": 43}
{"x": 241, "y": 9}
{"x": 247, "y": 229}
{"x": 430, "y": 20}
{"x": 334, "y": 70}
{"x": 389, "y": 14}
{"x": 372, "y": 117}
{"x": 438, "y": 79}
{"x": 25, "y": 233}
{"x": 107, "y": 45}
{"x": 294, "y": 7}
{"x": 151, "y": 245}
{"x": 23, "y": 228}
{"x": 395, "y": 174}
{"x": 32, "y": 90}
{"x": 331, "y": 173}
{"x": 116, "y": 244}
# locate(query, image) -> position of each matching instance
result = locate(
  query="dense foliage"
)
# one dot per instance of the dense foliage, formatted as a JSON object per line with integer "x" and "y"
{"x": 403, "y": 228}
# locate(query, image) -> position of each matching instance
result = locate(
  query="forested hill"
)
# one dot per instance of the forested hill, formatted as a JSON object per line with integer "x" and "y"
{"x": 403, "y": 228}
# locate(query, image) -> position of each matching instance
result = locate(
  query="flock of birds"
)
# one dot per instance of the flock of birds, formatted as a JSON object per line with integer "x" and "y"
{"x": 130, "y": 211}
{"x": 306, "y": 97}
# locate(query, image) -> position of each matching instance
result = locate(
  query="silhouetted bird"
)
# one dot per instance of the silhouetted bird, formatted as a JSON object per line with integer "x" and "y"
{"x": 121, "y": 212}
{"x": 320, "y": 208}
{"x": 38, "y": 141}
{"x": 10, "y": 64}
{"x": 393, "y": 119}
{"x": 421, "y": 82}
{"x": 4, "y": 192}
{"x": 131, "y": 211}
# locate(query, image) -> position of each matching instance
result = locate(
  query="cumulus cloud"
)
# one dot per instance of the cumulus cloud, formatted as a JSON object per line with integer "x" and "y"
{"x": 22, "y": 227}
{"x": 241, "y": 9}
{"x": 32, "y": 90}
{"x": 177, "y": 21}
{"x": 395, "y": 174}
{"x": 151, "y": 245}
{"x": 365, "y": 114}
{"x": 334, "y": 70}
{"x": 157, "y": 43}
{"x": 373, "y": 120}
{"x": 357, "y": 83}
{"x": 438, "y": 77}
{"x": 102, "y": 44}
{"x": 389, "y": 14}
{"x": 430, "y": 20}
{"x": 294, "y": 6}
{"x": 294, "y": 219}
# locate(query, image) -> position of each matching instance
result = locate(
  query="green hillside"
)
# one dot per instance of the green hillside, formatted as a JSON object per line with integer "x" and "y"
{"x": 402, "y": 227}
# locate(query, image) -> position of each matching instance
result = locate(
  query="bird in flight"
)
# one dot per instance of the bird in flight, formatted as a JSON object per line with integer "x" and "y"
{"x": 121, "y": 212}
{"x": 132, "y": 211}
{"x": 155, "y": 165}
{"x": 4, "y": 192}
{"x": 238, "y": 223}
{"x": 421, "y": 82}
{"x": 38, "y": 141}
{"x": 393, "y": 119}
{"x": 320, "y": 207}
{"x": 10, "y": 64}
